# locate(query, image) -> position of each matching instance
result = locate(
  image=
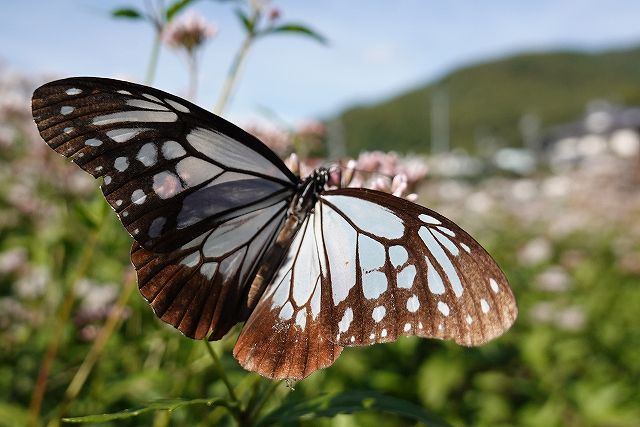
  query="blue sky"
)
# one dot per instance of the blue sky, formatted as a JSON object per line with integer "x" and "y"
{"x": 377, "y": 48}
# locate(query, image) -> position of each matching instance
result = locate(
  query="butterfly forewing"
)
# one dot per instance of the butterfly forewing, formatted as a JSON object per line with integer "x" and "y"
{"x": 170, "y": 169}
{"x": 203, "y": 199}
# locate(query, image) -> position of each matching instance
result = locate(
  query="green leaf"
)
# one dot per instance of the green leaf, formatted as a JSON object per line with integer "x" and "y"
{"x": 247, "y": 23}
{"x": 330, "y": 405}
{"x": 176, "y": 7}
{"x": 126, "y": 12}
{"x": 296, "y": 28}
{"x": 158, "y": 405}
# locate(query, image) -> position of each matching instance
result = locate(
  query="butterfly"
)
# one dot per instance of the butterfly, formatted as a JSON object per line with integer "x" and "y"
{"x": 225, "y": 233}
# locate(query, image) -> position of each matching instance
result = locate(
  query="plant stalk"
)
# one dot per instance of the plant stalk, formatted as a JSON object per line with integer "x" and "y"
{"x": 153, "y": 59}
{"x": 59, "y": 325}
{"x": 232, "y": 75}
{"x": 110, "y": 326}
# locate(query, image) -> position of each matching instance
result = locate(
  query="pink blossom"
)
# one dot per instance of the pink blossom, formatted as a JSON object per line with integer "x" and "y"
{"x": 188, "y": 32}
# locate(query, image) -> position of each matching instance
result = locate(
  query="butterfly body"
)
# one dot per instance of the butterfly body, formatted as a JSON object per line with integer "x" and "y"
{"x": 225, "y": 233}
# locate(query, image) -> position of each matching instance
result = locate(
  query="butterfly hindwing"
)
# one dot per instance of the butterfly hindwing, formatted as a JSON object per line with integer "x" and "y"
{"x": 288, "y": 333}
{"x": 170, "y": 169}
{"x": 414, "y": 272}
{"x": 368, "y": 267}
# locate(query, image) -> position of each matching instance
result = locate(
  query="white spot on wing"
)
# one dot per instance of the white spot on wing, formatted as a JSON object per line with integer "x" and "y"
{"x": 494, "y": 286}
{"x": 73, "y": 91}
{"x": 178, "y": 106}
{"x": 93, "y": 142}
{"x": 315, "y": 302}
{"x": 484, "y": 305}
{"x": 151, "y": 97}
{"x": 166, "y": 184}
{"x": 68, "y": 130}
{"x": 191, "y": 260}
{"x": 406, "y": 277}
{"x": 341, "y": 251}
{"x": 172, "y": 150}
{"x": 307, "y": 267}
{"x": 413, "y": 304}
{"x": 442, "y": 259}
{"x": 301, "y": 318}
{"x": 428, "y": 219}
{"x": 135, "y": 116}
{"x": 374, "y": 284}
{"x": 107, "y": 180}
{"x": 138, "y": 197}
{"x": 121, "y": 164}
{"x": 444, "y": 241}
{"x": 124, "y": 134}
{"x": 66, "y": 110}
{"x": 378, "y": 313}
{"x": 443, "y": 307}
{"x": 287, "y": 311}
{"x": 148, "y": 154}
{"x": 346, "y": 320}
{"x": 434, "y": 281}
{"x": 465, "y": 247}
{"x": 208, "y": 269}
{"x": 447, "y": 231}
{"x": 369, "y": 216}
{"x": 231, "y": 153}
{"x": 469, "y": 319}
{"x": 282, "y": 292}
{"x": 383, "y": 333}
{"x": 140, "y": 103}
{"x": 407, "y": 327}
{"x": 124, "y": 92}
{"x": 194, "y": 171}
{"x": 398, "y": 255}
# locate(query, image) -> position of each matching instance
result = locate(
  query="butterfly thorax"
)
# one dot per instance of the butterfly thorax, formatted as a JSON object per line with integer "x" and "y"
{"x": 308, "y": 192}
{"x": 301, "y": 206}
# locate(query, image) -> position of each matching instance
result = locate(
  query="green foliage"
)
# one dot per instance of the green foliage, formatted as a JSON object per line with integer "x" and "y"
{"x": 127, "y": 13}
{"x": 488, "y": 100}
{"x": 160, "y": 405}
{"x": 330, "y": 405}
{"x": 296, "y": 29}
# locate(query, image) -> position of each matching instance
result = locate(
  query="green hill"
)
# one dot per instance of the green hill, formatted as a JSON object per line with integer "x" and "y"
{"x": 489, "y": 99}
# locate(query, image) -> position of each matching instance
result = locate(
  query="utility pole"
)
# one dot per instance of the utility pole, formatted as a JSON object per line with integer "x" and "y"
{"x": 440, "y": 120}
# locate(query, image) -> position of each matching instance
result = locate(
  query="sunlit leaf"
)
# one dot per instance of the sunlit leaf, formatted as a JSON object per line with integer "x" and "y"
{"x": 297, "y": 29}
{"x": 247, "y": 23}
{"x": 176, "y": 7}
{"x": 330, "y": 405}
{"x": 126, "y": 12}
{"x": 159, "y": 405}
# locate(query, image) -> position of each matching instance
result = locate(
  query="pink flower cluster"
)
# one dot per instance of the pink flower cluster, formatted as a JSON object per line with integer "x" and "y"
{"x": 188, "y": 32}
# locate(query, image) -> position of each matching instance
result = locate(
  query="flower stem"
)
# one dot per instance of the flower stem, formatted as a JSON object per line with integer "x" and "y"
{"x": 61, "y": 319}
{"x": 232, "y": 75}
{"x": 110, "y": 326}
{"x": 153, "y": 59}
{"x": 223, "y": 375}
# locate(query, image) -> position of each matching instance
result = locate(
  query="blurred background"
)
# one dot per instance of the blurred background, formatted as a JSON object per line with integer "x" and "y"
{"x": 518, "y": 120}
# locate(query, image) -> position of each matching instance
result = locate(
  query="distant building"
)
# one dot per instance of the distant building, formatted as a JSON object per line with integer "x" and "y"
{"x": 604, "y": 128}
